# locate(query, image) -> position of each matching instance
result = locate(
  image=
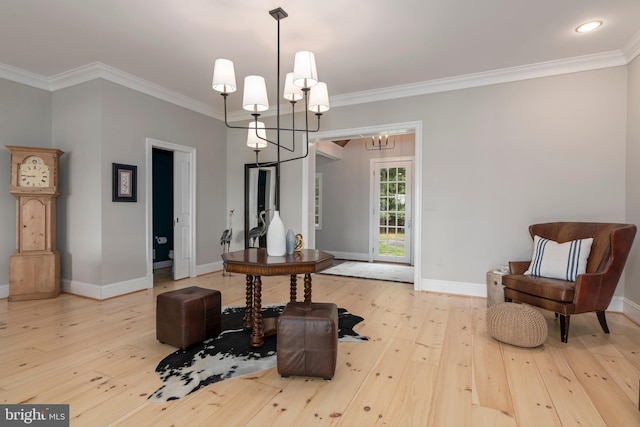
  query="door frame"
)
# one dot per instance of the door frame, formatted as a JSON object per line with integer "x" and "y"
{"x": 308, "y": 173}
{"x": 374, "y": 205}
{"x": 150, "y": 145}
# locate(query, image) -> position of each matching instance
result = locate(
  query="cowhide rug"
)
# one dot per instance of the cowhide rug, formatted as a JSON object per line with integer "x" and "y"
{"x": 229, "y": 355}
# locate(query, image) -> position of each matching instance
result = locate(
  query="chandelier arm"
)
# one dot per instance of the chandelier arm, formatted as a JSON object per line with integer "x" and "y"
{"x": 299, "y": 130}
{"x": 266, "y": 164}
{"x": 279, "y": 14}
{"x": 226, "y": 122}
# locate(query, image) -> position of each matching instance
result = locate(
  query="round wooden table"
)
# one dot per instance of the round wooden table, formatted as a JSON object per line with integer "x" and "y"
{"x": 255, "y": 263}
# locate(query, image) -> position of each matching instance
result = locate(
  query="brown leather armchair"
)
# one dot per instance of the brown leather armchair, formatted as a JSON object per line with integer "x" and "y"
{"x": 591, "y": 291}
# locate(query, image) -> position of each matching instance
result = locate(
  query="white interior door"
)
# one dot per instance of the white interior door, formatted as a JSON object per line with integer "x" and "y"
{"x": 391, "y": 208}
{"x": 181, "y": 215}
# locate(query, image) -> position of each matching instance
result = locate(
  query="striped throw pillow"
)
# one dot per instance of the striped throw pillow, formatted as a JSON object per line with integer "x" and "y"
{"x": 559, "y": 260}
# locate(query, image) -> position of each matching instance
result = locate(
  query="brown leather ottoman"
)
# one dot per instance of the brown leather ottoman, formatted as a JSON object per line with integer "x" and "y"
{"x": 188, "y": 316}
{"x": 308, "y": 340}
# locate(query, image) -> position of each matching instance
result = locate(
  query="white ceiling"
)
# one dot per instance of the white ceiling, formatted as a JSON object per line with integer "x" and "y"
{"x": 362, "y": 47}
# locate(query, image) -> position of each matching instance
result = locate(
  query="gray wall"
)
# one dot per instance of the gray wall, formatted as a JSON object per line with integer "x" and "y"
{"x": 98, "y": 123}
{"x": 495, "y": 159}
{"x": 76, "y": 131}
{"x": 632, "y": 283}
{"x": 346, "y": 196}
{"x": 129, "y": 117}
{"x": 25, "y": 119}
{"x": 498, "y": 158}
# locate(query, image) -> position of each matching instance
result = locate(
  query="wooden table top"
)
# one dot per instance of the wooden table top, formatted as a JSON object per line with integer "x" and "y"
{"x": 256, "y": 262}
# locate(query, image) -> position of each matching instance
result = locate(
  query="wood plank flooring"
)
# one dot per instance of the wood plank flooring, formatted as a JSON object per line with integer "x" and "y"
{"x": 429, "y": 362}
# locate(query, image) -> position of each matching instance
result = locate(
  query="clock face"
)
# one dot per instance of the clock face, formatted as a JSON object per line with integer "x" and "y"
{"x": 33, "y": 172}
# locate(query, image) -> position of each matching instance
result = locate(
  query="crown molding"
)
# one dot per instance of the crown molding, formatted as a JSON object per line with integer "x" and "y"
{"x": 505, "y": 75}
{"x": 97, "y": 70}
{"x": 18, "y": 75}
{"x": 631, "y": 49}
{"x": 543, "y": 69}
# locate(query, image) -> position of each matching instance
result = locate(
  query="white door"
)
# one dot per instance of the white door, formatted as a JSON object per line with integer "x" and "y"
{"x": 181, "y": 215}
{"x": 391, "y": 224}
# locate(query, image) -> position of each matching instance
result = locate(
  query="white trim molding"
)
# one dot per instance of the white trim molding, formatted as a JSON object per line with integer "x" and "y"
{"x": 631, "y": 310}
{"x": 632, "y": 48}
{"x": 351, "y": 256}
{"x": 192, "y": 153}
{"x": 97, "y": 70}
{"x": 209, "y": 268}
{"x": 100, "y": 292}
{"x": 450, "y": 287}
{"x": 18, "y": 75}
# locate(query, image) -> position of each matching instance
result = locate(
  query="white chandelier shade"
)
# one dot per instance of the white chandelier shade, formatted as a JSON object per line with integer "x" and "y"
{"x": 305, "y": 73}
{"x": 300, "y": 85}
{"x": 254, "y": 97}
{"x": 224, "y": 76}
{"x": 291, "y": 92}
{"x": 319, "y": 98}
{"x": 256, "y": 139}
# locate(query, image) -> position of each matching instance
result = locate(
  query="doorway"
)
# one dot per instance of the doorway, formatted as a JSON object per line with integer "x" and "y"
{"x": 309, "y": 172}
{"x": 183, "y": 209}
{"x": 162, "y": 172}
{"x": 391, "y": 209}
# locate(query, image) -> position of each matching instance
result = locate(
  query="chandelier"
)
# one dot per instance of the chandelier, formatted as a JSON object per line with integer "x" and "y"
{"x": 301, "y": 84}
{"x": 379, "y": 145}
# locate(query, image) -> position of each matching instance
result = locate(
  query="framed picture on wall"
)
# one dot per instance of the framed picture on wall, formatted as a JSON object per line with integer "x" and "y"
{"x": 124, "y": 182}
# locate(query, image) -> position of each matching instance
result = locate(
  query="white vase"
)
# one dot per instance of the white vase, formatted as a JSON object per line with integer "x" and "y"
{"x": 276, "y": 243}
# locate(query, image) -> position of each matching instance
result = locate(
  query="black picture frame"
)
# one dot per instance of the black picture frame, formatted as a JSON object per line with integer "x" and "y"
{"x": 125, "y": 183}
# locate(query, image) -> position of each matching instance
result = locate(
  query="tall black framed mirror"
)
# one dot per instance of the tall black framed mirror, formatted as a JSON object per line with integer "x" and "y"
{"x": 259, "y": 202}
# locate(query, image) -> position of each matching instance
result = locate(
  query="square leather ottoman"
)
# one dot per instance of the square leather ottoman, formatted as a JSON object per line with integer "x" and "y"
{"x": 307, "y": 343}
{"x": 188, "y": 316}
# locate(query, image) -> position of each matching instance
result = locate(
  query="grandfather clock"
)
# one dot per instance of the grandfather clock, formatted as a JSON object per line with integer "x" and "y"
{"x": 34, "y": 270}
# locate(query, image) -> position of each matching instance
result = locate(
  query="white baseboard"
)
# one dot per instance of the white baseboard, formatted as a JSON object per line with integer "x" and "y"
{"x": 457, "y": 288}
{"x": 101, "y": 292}
{"x": 351, "y": 256}
{"x": 617, "y": 305}
{"x": 209, "y": 268}
{"x": 631, "y": 310}
{"x": 89, "y": 290}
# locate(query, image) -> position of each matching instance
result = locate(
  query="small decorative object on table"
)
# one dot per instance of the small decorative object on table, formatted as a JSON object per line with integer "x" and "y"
{"x": 291, "y": 242}
{"x": 276, "y": 245}
{"x": 299, "y": 243}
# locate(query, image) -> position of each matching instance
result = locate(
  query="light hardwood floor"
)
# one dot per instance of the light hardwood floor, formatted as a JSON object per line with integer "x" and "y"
{"x": 429, "y": 362}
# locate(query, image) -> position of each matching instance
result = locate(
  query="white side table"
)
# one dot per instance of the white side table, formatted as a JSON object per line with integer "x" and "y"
{"x": 495, "y": 290}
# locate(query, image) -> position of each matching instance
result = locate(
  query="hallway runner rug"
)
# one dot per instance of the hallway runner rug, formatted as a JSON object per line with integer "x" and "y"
{"x": 372, "y": 270}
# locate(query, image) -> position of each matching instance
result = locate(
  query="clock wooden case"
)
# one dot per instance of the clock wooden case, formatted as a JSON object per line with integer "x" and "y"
{"x": 34, "y": 270}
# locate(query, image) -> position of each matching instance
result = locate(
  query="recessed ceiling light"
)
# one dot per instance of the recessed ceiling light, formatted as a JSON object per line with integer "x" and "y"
{"x": 588, "y": 26}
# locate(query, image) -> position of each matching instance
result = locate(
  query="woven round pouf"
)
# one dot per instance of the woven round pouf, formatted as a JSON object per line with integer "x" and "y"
{"x": 517, "y": 324}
